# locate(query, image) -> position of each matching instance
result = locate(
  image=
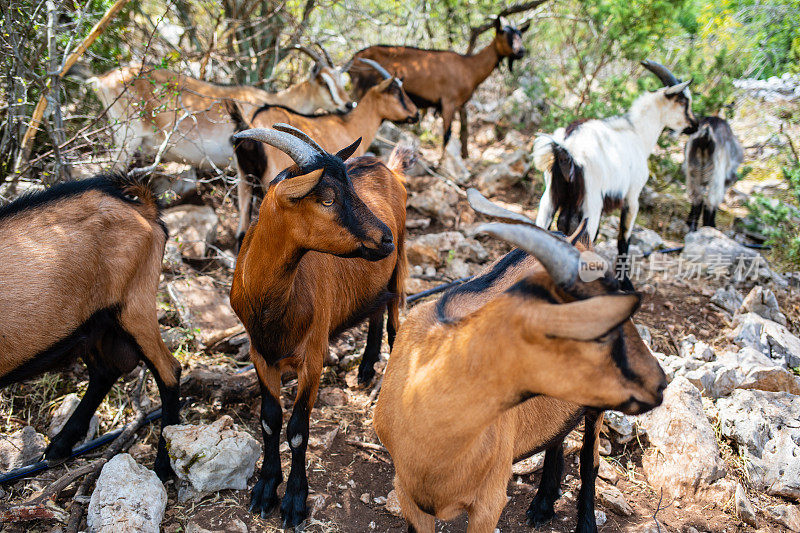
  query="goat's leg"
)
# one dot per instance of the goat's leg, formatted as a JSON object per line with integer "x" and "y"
{"x": 392, "y": 321}
{"x": 264, "y": 497}
{"x": 627, "y": 217}
{"x": 244, "y": 194}
{"x": 101, "y": 379}
{"x": 485, "y": 511}
{"x": 293, "y": 506}
{"x": 462, "y": 117}
{"x": 418, "y": 520}
{"x": 544, "y": 217}
{"x": 541, "y": 509}
{"x": 590, "y": 464}
{"x": 448, "y": 112}
{"x": 709, "y": 216}
{"x": 694, "y": 214}
{"x": 372, "y": 352}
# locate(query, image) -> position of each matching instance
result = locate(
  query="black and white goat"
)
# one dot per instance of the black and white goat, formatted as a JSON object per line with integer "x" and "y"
{"x": 710, "y": 161}
{"x": 593, "y": 166}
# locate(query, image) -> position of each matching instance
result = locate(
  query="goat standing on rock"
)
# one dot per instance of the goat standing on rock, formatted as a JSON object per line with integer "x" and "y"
{"x": 463, "y": 395}
{"x": 326, "y": 252}
{"x": 78, "y": 278}
{"x": 442, "y": 79}
{"x": 710, "y": 161}
{"x": 595, "y": 166}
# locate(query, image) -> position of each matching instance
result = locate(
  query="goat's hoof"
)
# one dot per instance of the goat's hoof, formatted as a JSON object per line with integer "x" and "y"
{"x": 586, "y": 525}
{"x": 365, "y": 375}
{"x": 57, "y": 450}
{"x": 538, "y": 515}
{"x": 264, "y": 498}
{"x": 162, "y": 467}
{"x": 293, "y": 509}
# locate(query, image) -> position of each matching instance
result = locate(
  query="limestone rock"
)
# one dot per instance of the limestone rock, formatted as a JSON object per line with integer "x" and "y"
{"x": 763, "y": 302}
{"x": 451, "y": 164}
{"x": 203, "y": 309}
{"x": 679, "y": 429}
{"x": 727, "y": 298}
{"x": 128, "y": 498}
{"x": 437, "y": 201}
{"x": 786, "y": 515}
{"x": 22, "y": 447}
{"x": 191, "y": 228}
{"x": 500, "y": 176}
{"x": 332, "y": 397}
{"x": 646, "y": 239}
{"x": 722, "y": 255}
{"x": 764, "y": 425}
{"x": 612, "y": 497}
{"x": 766, "y": 336}
{"x": 393, "y": 504}
{"x": 743, "y": 507}
{"x": 62, "y": 414}
{"x": 212, "y": 457}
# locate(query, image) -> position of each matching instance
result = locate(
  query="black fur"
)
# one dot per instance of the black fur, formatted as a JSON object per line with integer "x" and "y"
{"x": 479, "y": 284}
{"x": 266, "y": 107}
{"x": 528, "y": 289}
{"x": 573, "y": 126}
{"x": 586, "y": 519}
{"x": 567, "y": 189}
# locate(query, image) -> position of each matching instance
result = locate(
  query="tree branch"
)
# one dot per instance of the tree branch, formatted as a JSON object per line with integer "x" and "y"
{"x": 477, "y": 31}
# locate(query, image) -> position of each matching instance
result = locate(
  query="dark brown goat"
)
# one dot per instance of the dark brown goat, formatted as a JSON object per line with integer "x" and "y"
{"x": 326, "y": 252}
{"x": 79, "y": 275}
{"x": 441, "y": 79}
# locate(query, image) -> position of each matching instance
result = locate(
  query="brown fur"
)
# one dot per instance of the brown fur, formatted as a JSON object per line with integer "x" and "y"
{"x": 448, "y": 410}
{"x": 433, "y": 78}
{"x": 292, "y": 301}
{"x": 385, "y": 101}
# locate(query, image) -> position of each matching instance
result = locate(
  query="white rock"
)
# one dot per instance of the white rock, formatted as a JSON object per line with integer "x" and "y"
{"x": 191, "y": 228}
{"x": 646, "y": 239}
{"x": 22, "y": 447}
{"x": 625, "y": 426}
{"x": 432, "y": 248}
{"x": 600, "y": 517}
{"x": 762, "y": 302}
{"x": 203, "y": 309}
{"x": 452, "y": 165}
{"x": 612, "y": 497}
{"x": 691, "y": 348}
{"x": 438, "y": 201}
{"x": 722, "y": 255}
{"x": 766, "y": 336}
{"x": 727, "y": 298}
{"x": 62, "y": 414}
{"x": 764, "y": 425}
{"x": 500, "y": 176}
{"x": 127, "y": 498}
{"x": 786, "y": 515}
{"x": 744, "y": 509}
{"x": 212, "y": 457}
{"x": 393, "y": 504}
{"x": 679, "y": 429}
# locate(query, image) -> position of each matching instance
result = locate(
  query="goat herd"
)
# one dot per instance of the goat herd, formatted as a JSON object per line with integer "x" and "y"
{"x": 500, "y": 367}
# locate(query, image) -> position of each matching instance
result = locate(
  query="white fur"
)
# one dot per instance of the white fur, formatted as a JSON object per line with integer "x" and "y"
{"x": 613, "y": 153}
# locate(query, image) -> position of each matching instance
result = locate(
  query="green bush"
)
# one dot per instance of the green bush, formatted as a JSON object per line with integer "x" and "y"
{"x": 778, "y": 219}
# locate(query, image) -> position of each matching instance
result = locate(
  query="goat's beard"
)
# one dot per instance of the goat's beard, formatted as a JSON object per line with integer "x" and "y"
{"x": 510, "y": 64}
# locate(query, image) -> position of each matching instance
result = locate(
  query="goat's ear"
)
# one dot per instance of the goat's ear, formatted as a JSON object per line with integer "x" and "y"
{"x": 498, "y": 25}
{"x": 525, "y": 27}
{"x": 384, "y": 85}
{"x": 292, "y": 189}
{"x": 587, "y": 320}
{"x": 316, "y": 69}
{"x": 345, "y": 153}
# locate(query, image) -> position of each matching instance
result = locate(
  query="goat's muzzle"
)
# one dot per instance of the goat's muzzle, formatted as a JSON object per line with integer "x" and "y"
{"x": 413, "y": 119}
{"x": 636, "y": 405}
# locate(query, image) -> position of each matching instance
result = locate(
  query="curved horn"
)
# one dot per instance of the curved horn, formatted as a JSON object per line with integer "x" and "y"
{"x": 299, "y": 151}
{"x": 663, "y": 73}
{"x": 346, "y": 66}
{"x": 309, "y": 52}
{"x": 374, "y": 64}
{"x": 325, "y": 54}
{"x": 300, "y": 134}
{"x": 561, "y": 260}
{"x": 483, "y": 205}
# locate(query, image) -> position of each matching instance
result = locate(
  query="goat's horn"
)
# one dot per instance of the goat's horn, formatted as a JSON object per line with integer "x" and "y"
{"x": 374, "y": 64}
{"x": 483, "y": 205}
{"x": 309, "y": 52}
{"x": 300, "y": 134}
{"x": 561, "y": 260}
{"x": 299, "y": 151}
{"x": 663, "y": 73}
{"x": 346, "y": 66}
{"x": 325, "y": 54}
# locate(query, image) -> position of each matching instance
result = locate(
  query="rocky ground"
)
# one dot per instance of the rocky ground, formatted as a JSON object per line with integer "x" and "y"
{"x": 721, "y": 454}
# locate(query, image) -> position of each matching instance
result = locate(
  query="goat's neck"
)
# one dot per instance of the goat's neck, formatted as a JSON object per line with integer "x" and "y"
{"x": 296, "y": 94}
{"x": 364, "y": 122}
{"x": 646, "y": 117}
{"x": 483, "y": 63}
{"x": 272, "y": 259}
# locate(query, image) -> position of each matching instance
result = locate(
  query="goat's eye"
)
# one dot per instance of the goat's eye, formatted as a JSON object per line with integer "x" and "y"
{"x": 327, "y": 202}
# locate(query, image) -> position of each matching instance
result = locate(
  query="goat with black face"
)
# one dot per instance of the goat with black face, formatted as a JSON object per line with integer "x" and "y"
{"x": 326, "y": 252}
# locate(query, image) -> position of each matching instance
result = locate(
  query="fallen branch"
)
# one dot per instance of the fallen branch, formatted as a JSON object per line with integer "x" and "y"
{"x": 366, "y": 445}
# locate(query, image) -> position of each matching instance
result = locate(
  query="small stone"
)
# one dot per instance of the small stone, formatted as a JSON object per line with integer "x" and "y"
{"x": 786, "y": 515}
{"x": 22, "y": 447}
{"x": 365, "y": 498}
{"x": 608, "y": 472}
{"x": 127, "y": 498}
{"x": 605, "y": 447}
{"x": 393, "y": 504}
{"x": 62, "y": 414}
{"x": 324, "y": 441}
{"x": 333, "y": 397}
{"x": 191, "y": 228}
{"x": 600, "y": 517}
{"x": 612, "y": 497}
{"x": 763, "y": 302}
{"x": 743, "y": 507}
{"x": 203, "y": 309}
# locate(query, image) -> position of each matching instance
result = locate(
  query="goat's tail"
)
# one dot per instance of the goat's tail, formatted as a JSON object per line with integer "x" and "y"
{"x": 543, "y": 156}
{"x": 563, "y": 179}
{"x": 141, "y": 188}
{"x": 401, "y": 159}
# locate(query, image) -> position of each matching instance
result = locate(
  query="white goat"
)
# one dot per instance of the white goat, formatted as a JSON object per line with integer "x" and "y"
{"x": 710, "y": 161}
{"x": 148, "y": 106}
{"x": 594, "y": 166}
